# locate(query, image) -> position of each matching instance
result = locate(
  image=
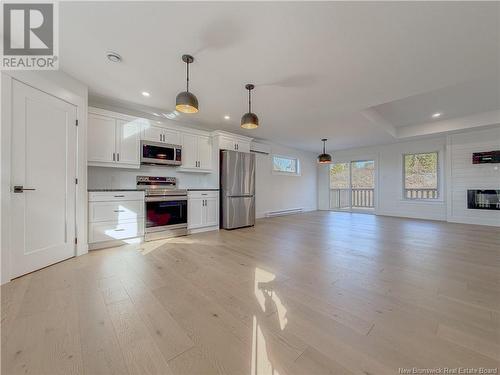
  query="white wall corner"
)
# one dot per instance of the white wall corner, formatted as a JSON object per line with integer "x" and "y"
{"x": 378, "y": 120}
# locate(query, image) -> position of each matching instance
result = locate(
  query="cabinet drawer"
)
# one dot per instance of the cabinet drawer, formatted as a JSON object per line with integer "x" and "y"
{"x": 115, "y": 211}
{"x": 109, "y": 196}
{"x": 203, "y": 194}
{"x": 108, "y": 231}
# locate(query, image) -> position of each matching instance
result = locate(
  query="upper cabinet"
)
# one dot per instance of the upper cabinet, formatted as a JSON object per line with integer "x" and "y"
{"x": 233, "y": 142}
{"x": 113, "y": 141}
{"x": 196, "y": 152}
{"x": 160, "y": 134}
{"x": 101, "y": 138}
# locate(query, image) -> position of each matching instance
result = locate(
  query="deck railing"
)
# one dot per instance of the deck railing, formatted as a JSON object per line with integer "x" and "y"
{"x": 421, "y": 193}
{"x": 360, "y": 198}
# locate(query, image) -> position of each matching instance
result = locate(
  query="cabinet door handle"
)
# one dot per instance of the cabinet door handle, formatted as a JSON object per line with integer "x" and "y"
{"x": 119, "y": 230}
{"x": 114, "y": 156}
{"x": 118, "y": 157}
{"x": 119, "y": 210}
{"x": 119, "y": 196}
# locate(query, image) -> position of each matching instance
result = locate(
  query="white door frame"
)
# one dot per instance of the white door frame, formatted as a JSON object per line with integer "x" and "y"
{"x": 349, "y": 160}
{"x": 64, "y": 87}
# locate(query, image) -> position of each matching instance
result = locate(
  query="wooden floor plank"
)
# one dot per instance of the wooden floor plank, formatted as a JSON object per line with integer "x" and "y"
{"x": 314, "y": 293}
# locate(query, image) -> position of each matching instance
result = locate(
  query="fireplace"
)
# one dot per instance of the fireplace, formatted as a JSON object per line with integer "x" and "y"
{"x": 483, "y": 199}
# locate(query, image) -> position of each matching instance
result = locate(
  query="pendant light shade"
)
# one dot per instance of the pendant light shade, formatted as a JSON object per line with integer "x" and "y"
{"x": 249, "y": 120}
{"x": 324, "y": 158}
{"x": 186, "y": 102}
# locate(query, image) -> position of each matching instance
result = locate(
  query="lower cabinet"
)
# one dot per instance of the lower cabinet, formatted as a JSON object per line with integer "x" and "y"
{"x": 115, "y": 216}
{"x": 203, "y": 210}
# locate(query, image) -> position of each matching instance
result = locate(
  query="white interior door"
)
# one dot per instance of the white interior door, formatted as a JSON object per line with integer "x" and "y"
{"x": 43, "y": 159}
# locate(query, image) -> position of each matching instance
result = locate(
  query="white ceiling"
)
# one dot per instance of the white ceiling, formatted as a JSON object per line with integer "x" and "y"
{"x": 317, "y": 66}
{"x": 454, "y": 101}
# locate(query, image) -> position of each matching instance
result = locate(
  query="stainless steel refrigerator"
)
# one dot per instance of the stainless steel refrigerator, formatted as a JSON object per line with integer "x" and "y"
{"x": 237, "y": 184}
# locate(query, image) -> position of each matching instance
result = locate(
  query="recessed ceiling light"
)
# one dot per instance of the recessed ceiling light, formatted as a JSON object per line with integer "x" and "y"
{"x": 113, "y": 57}
{"x": 146, "y": 94}
{"x": 227, "y": 117}
{"x": 436, "y": 115}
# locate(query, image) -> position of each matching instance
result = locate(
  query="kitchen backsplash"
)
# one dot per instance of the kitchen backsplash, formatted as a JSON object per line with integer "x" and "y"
{"x": 121, "y": 178}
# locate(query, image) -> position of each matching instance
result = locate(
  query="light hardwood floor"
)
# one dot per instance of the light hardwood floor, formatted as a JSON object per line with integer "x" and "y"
{"x": 316, "y": 293}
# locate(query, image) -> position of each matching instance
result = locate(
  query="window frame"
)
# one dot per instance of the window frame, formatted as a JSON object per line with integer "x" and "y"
{"x": 284, "y": 173}
{"x": 439, "y": 188}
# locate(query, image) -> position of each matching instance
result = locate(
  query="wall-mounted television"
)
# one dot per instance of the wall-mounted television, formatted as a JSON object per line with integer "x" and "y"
{"x": 486, "y": 157}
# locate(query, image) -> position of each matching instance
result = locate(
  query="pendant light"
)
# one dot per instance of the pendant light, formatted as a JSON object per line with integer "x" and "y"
{"x": 186, "y": 102}
{"x": 324, "y": 158}
{"x": 249, "y": 119}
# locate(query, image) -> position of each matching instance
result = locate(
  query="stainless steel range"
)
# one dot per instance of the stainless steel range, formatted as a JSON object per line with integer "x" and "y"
{"x": 166, "y": 207}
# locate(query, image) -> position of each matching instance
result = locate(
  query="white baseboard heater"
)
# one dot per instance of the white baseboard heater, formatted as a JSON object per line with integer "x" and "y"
{"x": 289, "y": 211}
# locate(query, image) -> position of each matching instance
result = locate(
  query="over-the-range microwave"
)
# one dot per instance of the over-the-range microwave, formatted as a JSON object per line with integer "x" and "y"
{"x": 160, "y": 153}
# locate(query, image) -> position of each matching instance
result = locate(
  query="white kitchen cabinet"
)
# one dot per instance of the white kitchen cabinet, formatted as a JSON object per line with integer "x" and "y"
{"x": 196, "y": 153}
{"x": 189, "y": 151}
{"x": 195, "y": 212}
{"x": 115, "y": 216}
{"x": 212, "y": 211}
{"x": 203, "y": 210}
{"x": 113, "y": 142}
{"x": 127, "y": 142}
{"x": 101, "y": 138}
{"x": 205, "y": 152}
{"x": 232, "y": 142}
{"x": 160, "y": 134}
{"x": 152, "y": 133}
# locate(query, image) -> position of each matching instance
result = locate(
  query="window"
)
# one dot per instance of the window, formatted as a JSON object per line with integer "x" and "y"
{"x": 352, "y": 185}
{"x": 421, "y": 175}
{"x": 284, "y": 164}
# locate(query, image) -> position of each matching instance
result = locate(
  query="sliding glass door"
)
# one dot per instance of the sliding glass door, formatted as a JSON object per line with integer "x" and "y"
{"x": 352, "y": 185}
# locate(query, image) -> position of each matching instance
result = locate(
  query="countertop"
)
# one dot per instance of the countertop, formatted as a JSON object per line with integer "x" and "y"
{"x": 188, "y": 189}
{"x": 97, "y": 190}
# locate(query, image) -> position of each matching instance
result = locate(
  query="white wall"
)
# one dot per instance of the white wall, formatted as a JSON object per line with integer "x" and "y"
{"x": 457, "y": 174}
{"x": 60, "y": 85}
{"x": 389, "y": 178}
{"x": 280, "y": 192}
{"x": 464, "y": 175}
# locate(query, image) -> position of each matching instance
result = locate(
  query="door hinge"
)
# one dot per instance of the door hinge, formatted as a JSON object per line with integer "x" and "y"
{"x": 76, "y": 241}
{"x": 76, "y": 180}
{"x": 76, "y": 122}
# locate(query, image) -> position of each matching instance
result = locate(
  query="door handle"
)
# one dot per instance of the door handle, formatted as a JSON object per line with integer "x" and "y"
{"x": 118, "y": 157}
{"x": 114, "y": 156}
{"x": 21, "y": 189}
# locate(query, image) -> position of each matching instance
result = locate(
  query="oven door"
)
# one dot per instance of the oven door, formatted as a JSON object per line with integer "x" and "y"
{"x": 165, "y": 213}
{"x": 160, "y": 153}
